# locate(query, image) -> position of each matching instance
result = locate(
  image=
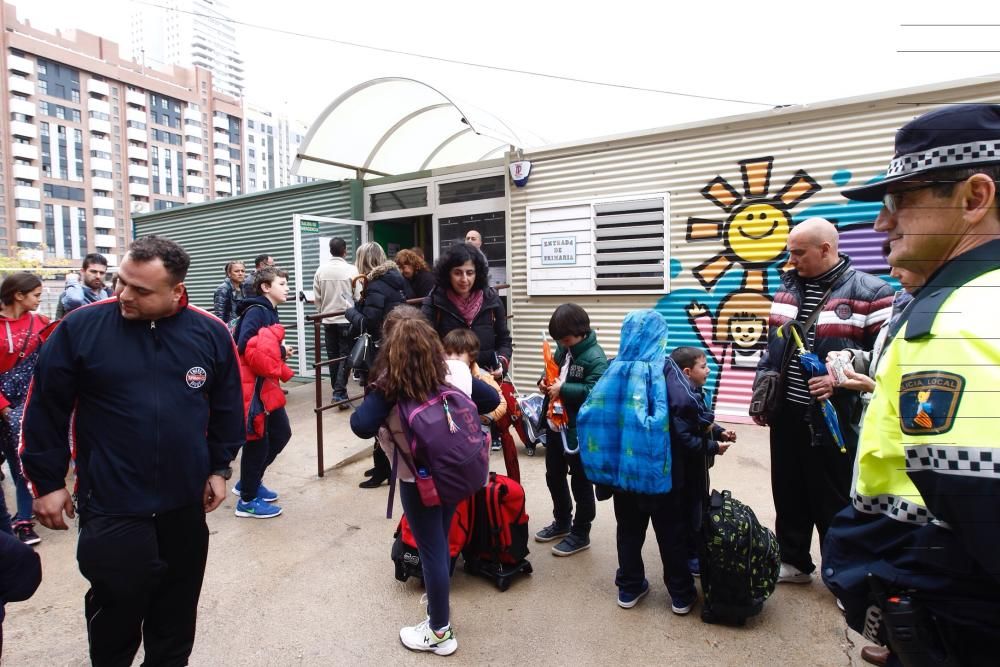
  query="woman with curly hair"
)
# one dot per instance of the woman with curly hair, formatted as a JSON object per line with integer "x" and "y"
{"x": 415, "y": 270}
{"x": 462, "y": 298}
{"x": 411, "y": 366}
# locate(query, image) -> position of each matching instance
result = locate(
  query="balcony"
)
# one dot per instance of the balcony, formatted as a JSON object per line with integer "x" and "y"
{"x": 102, "y": 145}
{"x": 138, "y": 189}
{"x": 138, "y": 115}
{"x": 138, "y": 153}
{"x": 190, "y": 113}
{"x": 105, "y": 240}
{"x": 192, "y": 148}
{"x": 21, "y": 105}
{"x": 195, "y": 181}
{"x": 136, "y": 98}
{"x": 194, "y": 197}
{"x": 104, "y": 222}
{"x": 194, "y": 165}
{"x": 138, "y": 171}
{"x": 135, "y": 134}
{"x": 23, "y": 86}
{"x": 26, "y": 151}
{"x": 26, "y": 235}
{"x": 25, "y": 172}
{"x": 21, "y": 129}
{"x": 99, "y": 126}
{"x": 27, "y": 214}
{"x": 221, "y": 122}
{"x": 223, "y": 186}
{"x": 220, "y": 138}
{"x": 19, "y": 64}
{"x": 140, "y": 206}
{"x": 94, "y": 104}
{"x": 101, "y": 183}
{"x": 27, "y": 192}
{"x": 106, "y": 203}
{"x": 98, "y": 87}
{"x": 100, "y": 164}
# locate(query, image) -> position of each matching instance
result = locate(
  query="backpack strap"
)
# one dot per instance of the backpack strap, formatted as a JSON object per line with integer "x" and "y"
{"x": 239, "y": 322}
{"x": 405, "y": 425}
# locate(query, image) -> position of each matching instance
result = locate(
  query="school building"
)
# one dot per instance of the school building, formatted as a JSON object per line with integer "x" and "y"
{"x": 691, "y": 220}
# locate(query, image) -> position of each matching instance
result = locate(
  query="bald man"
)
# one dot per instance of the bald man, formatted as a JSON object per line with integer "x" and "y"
{"x": 833, "y": 307}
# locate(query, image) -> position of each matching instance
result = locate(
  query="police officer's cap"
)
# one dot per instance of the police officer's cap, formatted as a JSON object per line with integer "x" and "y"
{"x": 956, "y": 136}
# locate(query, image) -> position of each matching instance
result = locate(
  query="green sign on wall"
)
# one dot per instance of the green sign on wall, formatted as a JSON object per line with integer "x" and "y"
{"x": 309, "y": 226}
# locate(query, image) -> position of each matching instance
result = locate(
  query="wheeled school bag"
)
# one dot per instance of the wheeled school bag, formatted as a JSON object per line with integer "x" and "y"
{"x": 739, "y": 561}
{"x": 405, "y": 554}
{"x": 499, "y": 545}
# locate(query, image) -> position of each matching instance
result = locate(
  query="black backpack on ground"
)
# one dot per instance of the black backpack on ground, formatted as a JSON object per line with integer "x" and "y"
{"x": 739, "y": 561}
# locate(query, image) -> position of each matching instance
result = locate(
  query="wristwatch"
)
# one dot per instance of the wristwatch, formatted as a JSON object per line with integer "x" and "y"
{"x": 225, "y": 473}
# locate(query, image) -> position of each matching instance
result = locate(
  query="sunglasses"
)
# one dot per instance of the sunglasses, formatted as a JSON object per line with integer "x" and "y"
{"x": 892, "y": 201}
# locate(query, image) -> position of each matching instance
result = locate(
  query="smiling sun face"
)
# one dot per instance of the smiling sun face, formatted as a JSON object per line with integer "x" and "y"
{"x": 758, "y": 233}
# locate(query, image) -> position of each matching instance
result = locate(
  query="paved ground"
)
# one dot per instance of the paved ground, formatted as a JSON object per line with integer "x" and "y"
{"x": 315, "y": 586}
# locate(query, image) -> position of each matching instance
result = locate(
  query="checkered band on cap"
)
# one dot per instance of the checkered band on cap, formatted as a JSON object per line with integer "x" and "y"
{"x": 957, "y": 155}
{"x": 951, "y": 460}
{"x": 893, "y": 507}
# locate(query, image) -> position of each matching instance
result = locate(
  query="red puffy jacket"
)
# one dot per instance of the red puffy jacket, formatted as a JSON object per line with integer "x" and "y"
{"x": 262, "y": 366}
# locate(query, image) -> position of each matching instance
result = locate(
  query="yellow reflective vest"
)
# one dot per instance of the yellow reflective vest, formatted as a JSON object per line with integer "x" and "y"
{"x": 930, "y": 442}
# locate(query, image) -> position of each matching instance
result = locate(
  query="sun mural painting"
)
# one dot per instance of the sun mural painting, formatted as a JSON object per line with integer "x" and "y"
{"x": 754, "y": 236}
{"x": 755, "y": 233}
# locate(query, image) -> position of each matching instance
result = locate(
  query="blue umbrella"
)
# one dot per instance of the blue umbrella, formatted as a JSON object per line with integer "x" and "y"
{"x": 813, "y": 366}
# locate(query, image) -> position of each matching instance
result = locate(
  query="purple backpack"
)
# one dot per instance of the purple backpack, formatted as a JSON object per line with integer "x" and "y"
{"x": 446, "y": 440}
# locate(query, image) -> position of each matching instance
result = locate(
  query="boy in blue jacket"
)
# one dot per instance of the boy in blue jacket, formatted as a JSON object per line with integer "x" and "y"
{"x": 695, "y": 438}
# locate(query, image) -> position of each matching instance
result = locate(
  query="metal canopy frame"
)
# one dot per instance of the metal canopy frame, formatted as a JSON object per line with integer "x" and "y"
{"x": 498, "y": 135}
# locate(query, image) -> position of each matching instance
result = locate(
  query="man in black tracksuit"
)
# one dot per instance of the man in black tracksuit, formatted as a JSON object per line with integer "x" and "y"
{"x": 149, "y": 386}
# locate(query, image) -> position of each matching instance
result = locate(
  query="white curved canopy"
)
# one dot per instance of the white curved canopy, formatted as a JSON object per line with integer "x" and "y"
{"x": 395, "y": 125}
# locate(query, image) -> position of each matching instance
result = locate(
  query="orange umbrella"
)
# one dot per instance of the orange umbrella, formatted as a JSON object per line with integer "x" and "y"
{"x": 556, "y": 412}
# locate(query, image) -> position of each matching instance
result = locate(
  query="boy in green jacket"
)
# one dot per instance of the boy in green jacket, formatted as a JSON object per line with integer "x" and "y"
{"x": 581, "y": 362}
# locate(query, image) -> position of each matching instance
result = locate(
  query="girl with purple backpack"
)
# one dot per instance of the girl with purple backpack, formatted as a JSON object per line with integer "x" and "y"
{"x": 409, "y": 368}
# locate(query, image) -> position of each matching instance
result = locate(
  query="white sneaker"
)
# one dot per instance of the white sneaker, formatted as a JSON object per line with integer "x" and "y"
{"x": 420, "y": 637}
{"x": 789, "y": 574}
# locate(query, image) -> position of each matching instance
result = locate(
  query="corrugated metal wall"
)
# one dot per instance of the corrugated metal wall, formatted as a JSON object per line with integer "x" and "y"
{"x": 240, "y": 228}
{"x": 814, "y": 152}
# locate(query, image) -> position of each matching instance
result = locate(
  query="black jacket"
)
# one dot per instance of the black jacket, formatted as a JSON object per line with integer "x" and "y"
{"x": 851, "y": 318}
{"x": 422, "y": 283}
{"x": 489, "y": 325}
{"x": 158, "y": 406}
{"x": 387, "y": 288}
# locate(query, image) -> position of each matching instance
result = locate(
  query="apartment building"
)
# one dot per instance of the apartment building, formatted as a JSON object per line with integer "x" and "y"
{"x": 189, "y": 33}
{"x": 91, "y": 138}
{"x": 272, "y": 141}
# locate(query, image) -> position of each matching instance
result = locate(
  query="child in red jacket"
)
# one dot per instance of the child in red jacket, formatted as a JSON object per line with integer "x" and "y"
{"x": 261, "y": 344}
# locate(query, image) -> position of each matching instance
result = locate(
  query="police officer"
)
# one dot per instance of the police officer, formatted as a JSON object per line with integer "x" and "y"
{"x": 915, "y": 558}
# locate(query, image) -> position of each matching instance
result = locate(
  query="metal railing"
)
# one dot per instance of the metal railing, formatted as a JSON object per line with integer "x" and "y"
{"x": 318, "y": 376}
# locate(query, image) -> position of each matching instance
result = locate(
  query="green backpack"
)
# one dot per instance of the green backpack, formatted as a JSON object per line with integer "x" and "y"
{"x": 739, "y": 561}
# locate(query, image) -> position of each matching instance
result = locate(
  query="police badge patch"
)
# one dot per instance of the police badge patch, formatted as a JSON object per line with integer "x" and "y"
{"x": 928, "y": 401}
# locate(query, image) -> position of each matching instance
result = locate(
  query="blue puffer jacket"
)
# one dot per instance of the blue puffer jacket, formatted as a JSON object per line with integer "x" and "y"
{"x": 623, "y": 426}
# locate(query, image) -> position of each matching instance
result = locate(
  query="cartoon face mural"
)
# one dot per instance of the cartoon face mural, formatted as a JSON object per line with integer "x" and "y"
{"x": 755, "y": 233}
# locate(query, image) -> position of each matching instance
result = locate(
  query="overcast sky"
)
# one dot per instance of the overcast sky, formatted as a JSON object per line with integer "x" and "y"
{"x": 768, "y": 53}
